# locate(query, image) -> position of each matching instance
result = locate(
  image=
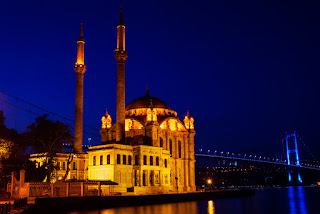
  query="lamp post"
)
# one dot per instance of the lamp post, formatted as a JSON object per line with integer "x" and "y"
{"x": 209, "y": 182}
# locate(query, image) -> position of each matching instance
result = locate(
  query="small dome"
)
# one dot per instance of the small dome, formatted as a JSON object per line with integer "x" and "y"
{"x": 145, "y": 101}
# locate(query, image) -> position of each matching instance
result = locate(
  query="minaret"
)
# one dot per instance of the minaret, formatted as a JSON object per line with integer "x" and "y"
{"x": 121, "y": 55}
{"x": 80, "y": 69}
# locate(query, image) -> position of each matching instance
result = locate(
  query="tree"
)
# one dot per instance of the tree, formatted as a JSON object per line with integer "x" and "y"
{"x": 48, "y": 137}
{"x": 13, "y": 151}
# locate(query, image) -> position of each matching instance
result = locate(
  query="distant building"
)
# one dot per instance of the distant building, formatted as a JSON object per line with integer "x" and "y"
{"x": 148, "y": 149}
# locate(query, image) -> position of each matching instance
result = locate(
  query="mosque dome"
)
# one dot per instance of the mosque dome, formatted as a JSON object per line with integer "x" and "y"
{"x": 145, "y": 102}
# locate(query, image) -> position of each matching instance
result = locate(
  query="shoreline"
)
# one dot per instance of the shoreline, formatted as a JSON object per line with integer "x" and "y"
{"x": 67, "y": 204}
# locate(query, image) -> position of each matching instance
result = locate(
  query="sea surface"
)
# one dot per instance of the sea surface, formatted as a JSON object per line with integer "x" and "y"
{"x": 291, "y": 200}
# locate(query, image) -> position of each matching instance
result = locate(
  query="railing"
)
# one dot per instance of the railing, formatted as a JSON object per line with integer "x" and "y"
{"x": 39, "y": 189}
{"x": 20, "y": 203}
{"x": 90, "y": 189}
{"x": 259, "y": 159}
{"x": 5, "y": 208}
{"x": 62, "y": 189}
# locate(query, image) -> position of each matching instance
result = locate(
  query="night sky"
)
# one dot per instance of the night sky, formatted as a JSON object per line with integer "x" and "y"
{"x": 248, "y": 71}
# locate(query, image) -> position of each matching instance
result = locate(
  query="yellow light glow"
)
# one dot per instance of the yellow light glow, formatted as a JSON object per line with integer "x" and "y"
{"x": 191, "y": 123}
{"x": 128, "y": 124}
{"x": 151, "y": 114}
{"x": 136, "y": 125}
{"x": 163, "y": 125}
{"x": 172, "y": 124}
{"x": 106, "y": 121}
{"x": 209, "y": 181}
{"x": 211, "y": 209}
{"x": 188, "y": 122}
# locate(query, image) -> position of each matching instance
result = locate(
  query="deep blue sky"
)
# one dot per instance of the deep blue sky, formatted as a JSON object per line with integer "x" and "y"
{"x": 248, "y": 71}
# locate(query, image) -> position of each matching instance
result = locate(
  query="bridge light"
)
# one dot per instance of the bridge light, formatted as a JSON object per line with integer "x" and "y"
{"x": 209, "y": 181}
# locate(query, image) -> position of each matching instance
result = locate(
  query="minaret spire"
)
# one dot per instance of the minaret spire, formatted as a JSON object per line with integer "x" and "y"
{"x": 121, "y": 56}
{"x": 81, "y": 32}
{"x": 80, "y": 69}
{"x": 121, "y": 16}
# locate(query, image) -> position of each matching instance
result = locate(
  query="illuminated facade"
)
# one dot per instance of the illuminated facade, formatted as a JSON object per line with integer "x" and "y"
{"x": 77, "y": 164}
{"x": 158, "y": 153}
{"x": 147, "y": 151}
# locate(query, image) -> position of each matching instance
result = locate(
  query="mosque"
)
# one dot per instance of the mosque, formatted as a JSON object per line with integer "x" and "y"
{"x": 147, "y": 150}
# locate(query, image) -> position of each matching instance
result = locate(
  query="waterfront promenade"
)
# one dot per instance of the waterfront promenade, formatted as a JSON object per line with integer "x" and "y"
{"x": 64, "y": 204}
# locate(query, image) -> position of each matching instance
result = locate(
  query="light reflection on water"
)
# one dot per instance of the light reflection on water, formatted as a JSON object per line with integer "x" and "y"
{"x": 211, "y": 209}
{"x": 292, "y": 200}
{"x": 297, "y": 202}
{"x": 174, "y": 208}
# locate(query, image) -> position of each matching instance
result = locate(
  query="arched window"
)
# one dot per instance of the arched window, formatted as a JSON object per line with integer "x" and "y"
{"x": 124, "y": 159}
{"x": 136, "y": 160}
{"x": 118, "y": 159}
{"x": 144, "y": 160}
{"x": 94, "y": 161}
{"x": 165, "y": 163}
{"x": 74, "y": 166}
{"x": 179, "y": 149}
{"x": 108, "y": 159}
{"x": 151, "y": 161}
{"x": 157, "y": 161}
{"x": 161, "y": 142}
{"x": 170, "y": 146}
{"x": 101, "y": 160}
{"x": 129, "y": 160}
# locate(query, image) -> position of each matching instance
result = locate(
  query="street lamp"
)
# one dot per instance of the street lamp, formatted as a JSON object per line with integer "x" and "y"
{"x": 209, "y": 182}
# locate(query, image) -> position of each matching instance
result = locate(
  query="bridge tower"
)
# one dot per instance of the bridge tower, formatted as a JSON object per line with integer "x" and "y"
{"x": 293, "y": 150}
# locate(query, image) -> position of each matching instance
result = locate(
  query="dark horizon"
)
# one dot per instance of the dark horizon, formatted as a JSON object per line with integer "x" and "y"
{"x": 246, "y": 71}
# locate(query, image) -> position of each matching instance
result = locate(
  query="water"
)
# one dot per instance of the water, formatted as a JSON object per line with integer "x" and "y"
{"x": 292, "y": 200}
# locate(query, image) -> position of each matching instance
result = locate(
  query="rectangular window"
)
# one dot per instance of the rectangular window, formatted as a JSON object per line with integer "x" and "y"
{"x": 129, "y": 160}
{"x": 64, "y": 166}
{"x": 108, "y": 159}
{"x": 157, "y": 161}
{"x": 74, "y": 166}
{"x": 124, "y": 159}
{"x": 165, "y": 163}
{"x": 144, "y": 160}
{"x": 136, "y": 160}
{"x": 58, "y": 166}
{"x": 151, "y": 161}
{"x": 94, "y": 161}
{"x": 118, "y": 159}
{"x": 101, "y": 159}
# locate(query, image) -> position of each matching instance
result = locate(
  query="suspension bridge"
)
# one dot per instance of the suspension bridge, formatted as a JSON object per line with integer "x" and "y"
{"x": 13, "y": 104}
